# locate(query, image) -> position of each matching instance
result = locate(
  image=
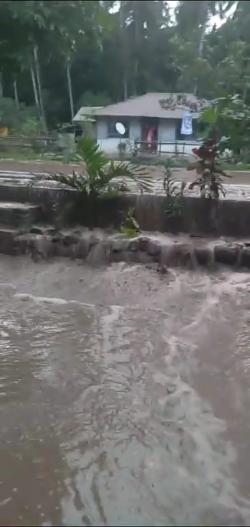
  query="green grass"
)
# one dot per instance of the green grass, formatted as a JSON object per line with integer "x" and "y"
{"x": 30, "y": 155}
{"x": 245, "y": 167}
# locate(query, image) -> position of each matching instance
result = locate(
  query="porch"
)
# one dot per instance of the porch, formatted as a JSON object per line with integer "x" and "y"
{"x": 165, "y": 148}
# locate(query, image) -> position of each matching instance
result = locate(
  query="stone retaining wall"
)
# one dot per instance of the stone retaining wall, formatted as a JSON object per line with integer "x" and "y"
{"x": 63, "y": 207}
{"x": 98, "y": 247}
{"x": 201, "y": 216}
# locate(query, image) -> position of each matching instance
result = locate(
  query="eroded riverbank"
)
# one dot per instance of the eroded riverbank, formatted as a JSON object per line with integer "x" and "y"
{"x": 124, "y": 395}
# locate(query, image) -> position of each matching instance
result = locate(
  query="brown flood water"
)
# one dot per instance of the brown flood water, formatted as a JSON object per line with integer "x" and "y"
{"x": 124, "y": 396}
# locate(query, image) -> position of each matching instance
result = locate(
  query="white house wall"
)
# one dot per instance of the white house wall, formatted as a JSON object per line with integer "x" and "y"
{"x": 166, "y": 134}
{"x": 110, "y": 144}
{"x": 107, "y": 144}
{"x": 135, "y": 130}
{"x": 102, "y": 129}
{"x": 166, "y": 130}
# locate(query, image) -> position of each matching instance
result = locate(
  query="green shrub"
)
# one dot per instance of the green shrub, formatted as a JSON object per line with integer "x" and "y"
{"x": 20, "y": 120}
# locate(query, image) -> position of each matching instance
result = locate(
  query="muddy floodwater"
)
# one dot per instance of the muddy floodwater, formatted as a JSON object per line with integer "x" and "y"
{"x": 124, "y": 395}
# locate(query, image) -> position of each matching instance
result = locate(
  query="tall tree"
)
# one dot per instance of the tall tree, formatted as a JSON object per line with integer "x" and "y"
{"x": 192, "y": 24}
{"x": 61, "y": 53}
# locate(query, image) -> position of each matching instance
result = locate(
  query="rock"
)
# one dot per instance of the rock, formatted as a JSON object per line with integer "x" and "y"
{"x": 226, "y": 254}
{"x": 119, "y": 245}
{"x": 70, "y": 239}
{"x": 166, "y": 254}
{"x": 98, "y": 254}
{"x": 42, "y": 246}
{"x": 57, "y": 238}
{"x": 118, "y": 256}
{"x": 36, "y": 230}
{"x": 184, "y": 255}
{"x": 141, "y": 257}
{"x": 177, "y": 254}
{"x": 23, "y": 243}
{"x": 203, "y": 255}
{"x": 154, "y": 249}
{"x": 134, "y": 245}
{"x": 59, "y": 249}
{"x": 171, "y": 389}
{"x": 143, "y": 243}
{"x": 77, "y": 232}
{"x": 52, "y": 231}
{"x": 37, "y": 246}
{"x": 82, "y": 248}
{"x": 125, "y": 256}
{"x": 162, "y": 269}
{"x": 93, "y": 240}
{"x": 108, "y": 246}
{"x": 245, "y": 257}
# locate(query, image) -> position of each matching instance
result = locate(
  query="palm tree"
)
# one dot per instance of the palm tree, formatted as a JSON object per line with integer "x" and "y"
{"x": 192, "y": 22}
{"x": 100, "y": 176}
{"x": 194, "y": 16}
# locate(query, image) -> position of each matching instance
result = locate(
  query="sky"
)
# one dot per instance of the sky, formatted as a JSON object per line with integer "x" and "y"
{"x": 215, "y": 20}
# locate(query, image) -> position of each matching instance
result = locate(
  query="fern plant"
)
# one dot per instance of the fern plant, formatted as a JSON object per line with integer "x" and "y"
{"x": 100, "y": 176}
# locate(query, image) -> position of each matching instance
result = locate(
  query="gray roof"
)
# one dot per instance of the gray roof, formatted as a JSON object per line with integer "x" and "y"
{"x": 85, "y": 112}
{"x": 161, "y": 105}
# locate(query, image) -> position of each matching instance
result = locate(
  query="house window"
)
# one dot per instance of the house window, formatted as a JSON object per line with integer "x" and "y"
{"x": 113, "y": 131}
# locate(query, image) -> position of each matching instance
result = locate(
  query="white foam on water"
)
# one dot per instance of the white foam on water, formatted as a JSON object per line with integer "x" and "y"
{"x": 39, "y": 299}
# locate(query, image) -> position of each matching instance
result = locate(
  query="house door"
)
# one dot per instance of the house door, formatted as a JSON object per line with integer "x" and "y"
{"x": 150, "y": 134}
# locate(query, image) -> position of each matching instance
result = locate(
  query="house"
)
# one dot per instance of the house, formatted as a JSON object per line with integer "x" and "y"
{"x": 86, "y": 113}
{"x": 85, "y": 122}
{"x": 155, "y": 122}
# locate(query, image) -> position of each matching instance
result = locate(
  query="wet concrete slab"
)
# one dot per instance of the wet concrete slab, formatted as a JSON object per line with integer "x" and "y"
{"x": 123, "y": 395}
{"x": 21, "y": 174}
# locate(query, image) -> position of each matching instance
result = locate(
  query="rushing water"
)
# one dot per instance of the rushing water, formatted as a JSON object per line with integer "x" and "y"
{"x": 124, "y": 396}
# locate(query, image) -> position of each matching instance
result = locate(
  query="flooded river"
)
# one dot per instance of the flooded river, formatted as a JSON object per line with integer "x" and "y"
{"x": 124, "y": 395}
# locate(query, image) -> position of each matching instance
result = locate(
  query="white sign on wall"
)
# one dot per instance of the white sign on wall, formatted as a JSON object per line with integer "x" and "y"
{"x": 187, "y": 125}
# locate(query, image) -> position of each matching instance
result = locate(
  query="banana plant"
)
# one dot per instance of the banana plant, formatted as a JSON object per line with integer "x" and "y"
{"x": 100, "y": 176}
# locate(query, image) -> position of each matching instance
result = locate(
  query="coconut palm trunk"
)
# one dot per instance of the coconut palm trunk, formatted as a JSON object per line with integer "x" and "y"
{"x": 16, "y": 93}
{"x": 39, "y": 86}
{"x": 124, "y": 52}
{"x": 35, "y": 91}
{"x": 70, "y": 91}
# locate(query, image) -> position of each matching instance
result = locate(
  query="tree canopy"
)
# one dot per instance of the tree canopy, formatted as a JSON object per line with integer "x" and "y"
{"x": 57, "y": 55}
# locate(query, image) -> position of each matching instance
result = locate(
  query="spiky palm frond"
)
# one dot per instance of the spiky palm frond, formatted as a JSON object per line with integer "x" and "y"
{"x": 100, "y": 175}
{"x": 131, "y": 172}
{"x": 93, "y": 157}
{"x": 75, "y": 180}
